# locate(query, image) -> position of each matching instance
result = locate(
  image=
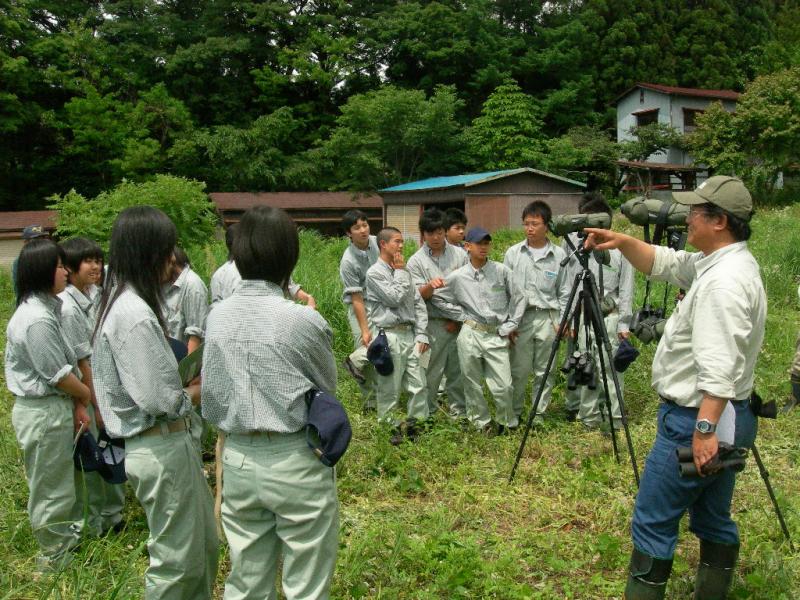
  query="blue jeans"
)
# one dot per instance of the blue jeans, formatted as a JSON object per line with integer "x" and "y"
{"x": 664, "y": 495}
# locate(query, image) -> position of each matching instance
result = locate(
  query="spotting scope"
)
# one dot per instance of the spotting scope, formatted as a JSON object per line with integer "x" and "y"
{"x": 652, "y": 211}
{"x": 566, "y": 224}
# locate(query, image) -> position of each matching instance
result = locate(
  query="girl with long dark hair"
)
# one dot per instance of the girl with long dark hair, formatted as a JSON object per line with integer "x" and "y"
{"x": 142, "y": 399}
{"x": 49, "y": 399}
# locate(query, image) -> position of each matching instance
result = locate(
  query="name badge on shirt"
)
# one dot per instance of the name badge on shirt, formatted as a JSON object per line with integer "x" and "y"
{"x": 550, "y": 274}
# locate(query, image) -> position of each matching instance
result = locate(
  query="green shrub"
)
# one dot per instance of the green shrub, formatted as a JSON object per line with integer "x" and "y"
{"x": 182, "y": 200}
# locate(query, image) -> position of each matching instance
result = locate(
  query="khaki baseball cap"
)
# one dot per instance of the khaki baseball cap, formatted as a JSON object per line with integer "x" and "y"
{"x": 726, "y": 192}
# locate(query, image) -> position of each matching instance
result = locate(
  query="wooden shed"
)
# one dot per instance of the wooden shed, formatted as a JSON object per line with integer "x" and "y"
{"x": 493, "y": 200}
{"x": 11, "y": 225}
{"x": 321, "y": 211}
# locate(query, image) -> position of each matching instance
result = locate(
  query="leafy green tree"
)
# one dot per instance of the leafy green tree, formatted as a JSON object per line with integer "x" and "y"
{"x": 391, "y": 135}
{"x": 508, "y": 132}
{"x": 783, "y": 50}
{"x": 230, "y": 158}
{"x": 586, "y": 153}
{"x": 95, "y": 132}
{"x": 425, "y": 44}
{"x": 647, "y": 140}
{"x": 650, "y": 139}
{"x": 716, "y": 143}
{"x": 761, "y": 139}
{"x": 182, "y": 200}
{"x": 768, "y": 120}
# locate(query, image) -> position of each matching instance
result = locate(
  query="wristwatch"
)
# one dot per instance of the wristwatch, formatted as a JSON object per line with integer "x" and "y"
{"x": 705, "y": 426}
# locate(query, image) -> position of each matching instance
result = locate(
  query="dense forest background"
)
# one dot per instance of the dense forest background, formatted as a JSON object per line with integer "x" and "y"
{"x": 316, "y": 95}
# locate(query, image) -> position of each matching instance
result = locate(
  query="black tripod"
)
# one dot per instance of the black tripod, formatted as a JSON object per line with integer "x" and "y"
{"x": 765, "y": 477}
{"x": 585, "y": 287}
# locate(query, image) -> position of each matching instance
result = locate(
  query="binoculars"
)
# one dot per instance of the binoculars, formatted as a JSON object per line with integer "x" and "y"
{"x": 727, "y": 457}
{"x": 648, "y": 324}
{"x": 580, "y": 369}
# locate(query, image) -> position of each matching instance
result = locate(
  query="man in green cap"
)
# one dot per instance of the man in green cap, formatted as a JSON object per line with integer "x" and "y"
{"x": 703, "y": 371}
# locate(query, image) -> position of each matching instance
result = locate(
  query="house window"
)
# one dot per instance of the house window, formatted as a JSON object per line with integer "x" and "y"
{"x": 646, "y": 117}
{"x": 689, "y": 116}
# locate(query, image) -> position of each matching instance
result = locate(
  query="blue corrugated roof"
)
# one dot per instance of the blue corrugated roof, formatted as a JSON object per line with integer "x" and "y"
{"x": 446, "y": 182}
{"x": 435, "y": 183}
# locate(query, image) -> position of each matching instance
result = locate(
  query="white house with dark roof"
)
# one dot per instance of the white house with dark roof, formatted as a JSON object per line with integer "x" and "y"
{"x": 678, "y": 107}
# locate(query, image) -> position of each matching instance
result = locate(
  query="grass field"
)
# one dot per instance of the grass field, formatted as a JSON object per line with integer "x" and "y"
{"x": 438, "y": 519}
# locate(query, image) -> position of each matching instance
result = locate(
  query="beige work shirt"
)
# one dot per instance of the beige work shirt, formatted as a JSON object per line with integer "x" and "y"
{"x": 712, "y": 340}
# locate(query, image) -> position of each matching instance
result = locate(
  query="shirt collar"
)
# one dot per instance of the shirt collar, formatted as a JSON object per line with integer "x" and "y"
{"x": 705, "y": 263}
{"x": 49, "y": 301}
{"x": 476, "y": 273}
{"x": 359, "y": 251}
{"x": 547, "y": 248}
{"x": 429, "y": 251}
{"x": 178, "y": 283}
{"x": 258, "y": 287}
{"x": 385, "y": 265}
{"x": 83, "y": 301}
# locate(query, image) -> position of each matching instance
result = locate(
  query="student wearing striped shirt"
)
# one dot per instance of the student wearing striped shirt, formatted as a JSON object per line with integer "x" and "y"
{"x": 395, "y": 306}
{"x": 142, "y": 399}
{"x": 262, "y": 354}
{"x": 50, "y": 401}
{"x": 226, "y": 278}
{"x": 428, "y": 267}
{"x": 83, "y": 259}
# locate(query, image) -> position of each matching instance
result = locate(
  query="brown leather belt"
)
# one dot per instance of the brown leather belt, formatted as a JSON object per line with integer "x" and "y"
{"x": 167, "y": 427}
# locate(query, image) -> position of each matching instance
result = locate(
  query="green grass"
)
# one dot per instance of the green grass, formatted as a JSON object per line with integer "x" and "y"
{"x": 438, "y": 519}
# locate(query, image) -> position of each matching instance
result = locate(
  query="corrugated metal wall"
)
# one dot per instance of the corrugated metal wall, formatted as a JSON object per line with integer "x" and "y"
{"x": 406, "y": 218}
{"x": 9, "y": 250}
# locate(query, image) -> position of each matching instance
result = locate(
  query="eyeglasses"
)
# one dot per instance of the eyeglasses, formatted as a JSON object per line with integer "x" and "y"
{"x": 693, "y": 212}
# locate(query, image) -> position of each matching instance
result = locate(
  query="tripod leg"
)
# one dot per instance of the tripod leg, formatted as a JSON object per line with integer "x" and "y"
{"x": 607, "y": 347}
{"x": 765, "y": 476}
{"x": 599, "y": 328}
{"x": 553, "y": 353}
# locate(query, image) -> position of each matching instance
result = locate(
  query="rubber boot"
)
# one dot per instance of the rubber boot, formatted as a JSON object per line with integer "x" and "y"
{"x": 715, "y": 571}
{"x": 648, "y": 577}
{"x": 794, "y": 400}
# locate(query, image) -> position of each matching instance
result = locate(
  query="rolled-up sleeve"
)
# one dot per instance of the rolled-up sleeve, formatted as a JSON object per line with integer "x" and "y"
{"x": 194, "y": 307}
{"x": 77, "y": 333}
{"x": 720, "y": 331}
{"x": 294, "y": 288}
{"x": 625, "y": 306}
{"x": 675, "y": 267}
{"x": 46, "y": 355}
{"x": 350, "y": 278}
{"x": 143, "y": 350}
